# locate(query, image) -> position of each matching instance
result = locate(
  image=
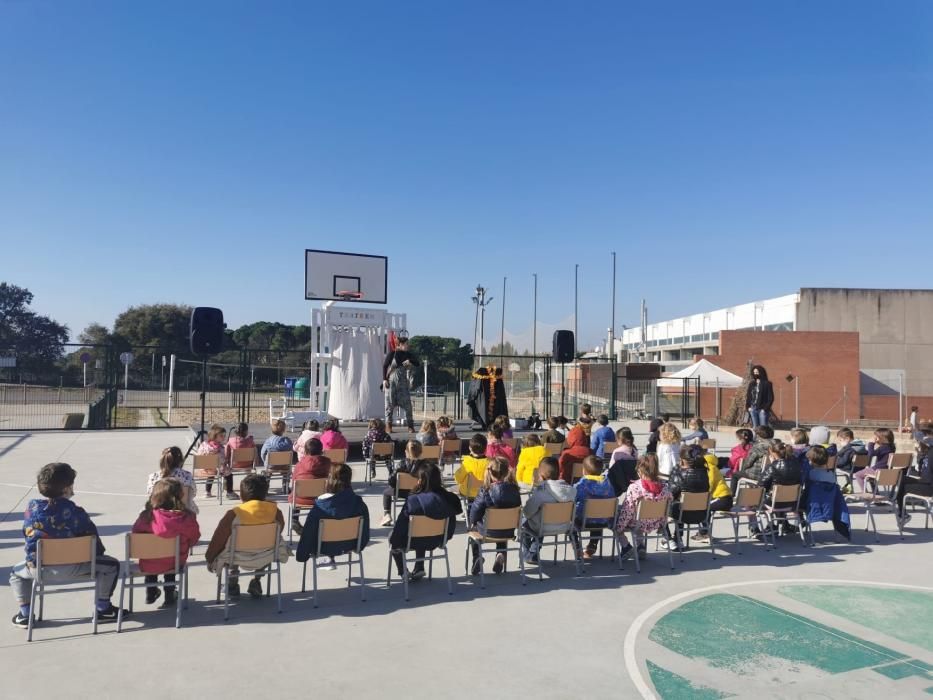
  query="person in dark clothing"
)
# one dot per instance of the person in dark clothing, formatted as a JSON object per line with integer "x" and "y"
{"x": 653, "y": 435}
{"x": 691, "y": 476}
{"x": 621, "y": 473}
{"x": 783, "y": 468}
{"x": 753, "y": 463}
{"x": 759, "y": 397}
{"x": 847, "y": 448}
{"x": 499, "y": 491}
{"x": 338, "y": 502}
{"x": 412, "y": 455}
{"x": 396, "y": 381}
{"x": 428, "y": 498}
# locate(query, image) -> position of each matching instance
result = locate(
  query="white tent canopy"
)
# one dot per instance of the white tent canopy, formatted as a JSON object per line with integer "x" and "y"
{"x": 708, "y": 373}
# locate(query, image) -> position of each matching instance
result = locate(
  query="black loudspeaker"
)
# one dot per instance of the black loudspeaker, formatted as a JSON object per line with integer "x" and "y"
{"x": 207, "y": 330}
{"x": 563, "y": 346}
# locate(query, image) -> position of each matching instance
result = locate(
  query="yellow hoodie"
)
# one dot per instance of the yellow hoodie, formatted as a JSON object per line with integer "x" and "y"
{"x": 718, "y": 488}
{"x": 471, "y": 466}
{"x": 528, "y": 460}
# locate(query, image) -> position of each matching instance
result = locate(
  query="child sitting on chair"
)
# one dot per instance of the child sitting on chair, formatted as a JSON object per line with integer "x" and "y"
{"x": 445, "y": 429}
{"x": 626, "y": 448}
{"x": 594, "y": 484}
{"x": 166, "y": 515}
{"x": 495, "y": 447}
{"x": 214, "y": 445}
{"x": 428, "y": 434}
{"x": 170, "y": 468}
{"x": 553, "y": 434}
{"x": 310, "y": 429}
{"x": 412, "y": 455}
{"x": 312, "y": 465}
{"x": 473, "y": 464}
{"x": 376, "y": 433}
{"x": 332, "y": 438}
{"x": 649, "y": 486}
{"x": 528, "y": 459}
{"x": 499, "y": 491}
{"x": 697, "y": 432}
{"x": 52, "y": 517}
{"x": 254, "y": 510}
{"x": 240, "y": 438}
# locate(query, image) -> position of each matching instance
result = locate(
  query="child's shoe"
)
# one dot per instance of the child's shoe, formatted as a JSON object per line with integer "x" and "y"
{"x": 233, "y": 589}
{"x": 255, "y": 589}
{"x": 20, "y": 620}
{"x": 152, "y": 595}
{"x": 110, "y": 613}
{"x": 232, "y": 496}
{"x": 386, "y": 520}
{"x": 171, "y": 597}
{"x": 499, "y": 565}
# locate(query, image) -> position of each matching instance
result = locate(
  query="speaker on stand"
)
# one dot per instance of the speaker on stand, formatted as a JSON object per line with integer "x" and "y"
{"x": 564, "y": 350}
{"x": 206, "y": 337}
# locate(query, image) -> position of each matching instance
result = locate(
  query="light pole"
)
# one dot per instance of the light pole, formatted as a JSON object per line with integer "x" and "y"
{"x": 534, "y": 323}
{"x": 502, "y": 328}
{"x": 576, "y": 338}
{"x": 612, "y": 334}
{"x": 481, "y": 303}
{"x": 476, "y": 300}
{"x": 795, "y": 378}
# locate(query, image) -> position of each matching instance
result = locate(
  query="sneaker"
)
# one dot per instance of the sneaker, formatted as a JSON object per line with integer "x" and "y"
{"x": 673, "y": 545}
{"x": 171, "y": 597}
{"x": 642, "y": 551}
{"x": 233, "y": 590}
{"x": 477, "y": 566}
{"x": 152, "y": 595}
{"x": 255, "y": 589}
{"x": 232, "y": 496}
{"x": 499, "y": 565}
{"x": 326, "y": 563}
{"x": 297, "y": 527}
{"x": 416, "y": 575}
{"x": 588, "y": 554}
{"x": 20, "y": 620}
{"x": 904, "y": 519}
{"x": 110, "y": 613}
{"x": 626, "y": 552}
{"x": 531, "y": 557}
{"x": 386, "y": 520}
{"x": 701, "y": 537}
{"x": 208, "y": 494}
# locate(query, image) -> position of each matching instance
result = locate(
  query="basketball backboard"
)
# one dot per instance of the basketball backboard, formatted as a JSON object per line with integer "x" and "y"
{"x": 333, "y": 276}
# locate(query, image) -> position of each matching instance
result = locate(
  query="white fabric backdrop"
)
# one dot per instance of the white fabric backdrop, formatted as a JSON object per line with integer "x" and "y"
{"x": 355, "y": 375}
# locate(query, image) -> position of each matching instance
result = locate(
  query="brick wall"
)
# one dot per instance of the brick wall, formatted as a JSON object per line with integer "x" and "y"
{"x": 825, "y": 362}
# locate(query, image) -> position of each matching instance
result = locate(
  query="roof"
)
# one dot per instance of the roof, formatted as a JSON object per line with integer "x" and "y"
{"x": 708, "y": 373}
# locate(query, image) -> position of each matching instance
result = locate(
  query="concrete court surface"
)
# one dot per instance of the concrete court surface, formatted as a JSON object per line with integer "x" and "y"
{"x": 839, "y": 620}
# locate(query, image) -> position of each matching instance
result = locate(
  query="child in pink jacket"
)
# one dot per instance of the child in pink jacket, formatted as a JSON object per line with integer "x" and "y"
{"x": 165, "y": 515}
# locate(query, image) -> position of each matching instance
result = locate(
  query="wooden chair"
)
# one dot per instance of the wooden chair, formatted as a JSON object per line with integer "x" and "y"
{"x": 859, "y": 462}
{"x": 577, "y": 473}
{"x": 471, "y": 484}
{"x": 694, "y": 510}
{"x": 882, "y": 494}
{"x": 785, "y": 504}
{"x": 431, "y": 453}
{"x": 748, "y": 503}
{"x": 422, "y": 527}
{"x": 498, "y": 519}
{"x": 901, "y": 460}
{"x": 450, "y": 453}
{"x": 148, "y": 546}
{"x": 559, "y": 518}
{"x": 646, "y": 511}
{"x": 708, "y": 444}
{"x": 403, "y": 482}
{"x": 243, "y": 455}
{"x": 553, "y": 449}
{"x": 337, "y": 455}
{"x": 925, "y": 502}
{"x": 66, "y": 551}
{"x": 606, "y": 509}
{"x": 302, "y": 488}
{"x": 608, "y": 449}
{"x": 206, "y": 470}
{"x": 280, "y": 466}
{"x": 381, "y": 452}
{"x": 246, "y": 539}
{"x": 334, "y": 530}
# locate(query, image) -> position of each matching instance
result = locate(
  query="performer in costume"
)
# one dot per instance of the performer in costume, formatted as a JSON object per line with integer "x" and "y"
{"x": 396, "y": 380}
{"x": 486, "y": 398}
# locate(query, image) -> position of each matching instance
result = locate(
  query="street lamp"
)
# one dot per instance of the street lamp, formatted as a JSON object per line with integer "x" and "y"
{"x": 796, "y": 380}
{"x": 481, "y": 303}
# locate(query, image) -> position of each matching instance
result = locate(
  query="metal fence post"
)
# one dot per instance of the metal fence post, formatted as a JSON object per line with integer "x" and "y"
{"x": 613, "y": 389}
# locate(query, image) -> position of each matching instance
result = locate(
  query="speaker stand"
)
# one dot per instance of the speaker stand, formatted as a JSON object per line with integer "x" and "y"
{"x": 202, "y": 433}
{"x": 563, "y": 389}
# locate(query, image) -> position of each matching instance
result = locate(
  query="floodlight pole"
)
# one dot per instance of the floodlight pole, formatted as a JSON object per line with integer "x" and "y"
{"x": 612, "y": 333}
{"x": 502, "y": 329}
{"x": 534, "y": 324}
{"x": 576, "y": 339}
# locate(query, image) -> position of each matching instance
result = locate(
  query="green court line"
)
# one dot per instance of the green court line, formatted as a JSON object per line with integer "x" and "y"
{"x": 670, "y": 686}
{"x": 905, "y": 669}
{"x": 901, "y": 614}
{"x": 737, "y": 633}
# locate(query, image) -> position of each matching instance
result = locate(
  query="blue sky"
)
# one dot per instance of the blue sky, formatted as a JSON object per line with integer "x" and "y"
{"x": 727, "y": 151}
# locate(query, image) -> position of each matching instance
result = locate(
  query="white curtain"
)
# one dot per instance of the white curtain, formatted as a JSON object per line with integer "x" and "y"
{"x": 355, "y": 374}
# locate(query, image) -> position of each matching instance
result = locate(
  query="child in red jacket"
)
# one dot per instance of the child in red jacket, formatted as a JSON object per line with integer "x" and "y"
{"x": 165, "y": 515}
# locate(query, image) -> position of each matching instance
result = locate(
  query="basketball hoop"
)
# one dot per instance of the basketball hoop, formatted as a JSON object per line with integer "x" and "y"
{"x": 349, "y": 296}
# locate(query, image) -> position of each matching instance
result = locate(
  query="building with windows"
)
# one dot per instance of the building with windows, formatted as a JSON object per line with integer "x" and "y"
{"x": 856, "y": 353}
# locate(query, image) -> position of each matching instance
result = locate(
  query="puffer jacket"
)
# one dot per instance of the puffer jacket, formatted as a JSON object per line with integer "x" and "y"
{"x": 753, "y": 463}
{"x": 688, "y": 479}
{"x": 781, "y": 471}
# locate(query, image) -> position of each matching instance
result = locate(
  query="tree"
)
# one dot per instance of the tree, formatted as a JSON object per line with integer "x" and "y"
{"x": 36, "y": 340}
{"x": 444, "y": 357}
{"x": 163, "y": 325}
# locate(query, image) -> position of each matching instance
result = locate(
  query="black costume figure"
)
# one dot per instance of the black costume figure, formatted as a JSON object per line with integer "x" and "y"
{"x": 486, "y": 398}
{"x": 397, "y": 383}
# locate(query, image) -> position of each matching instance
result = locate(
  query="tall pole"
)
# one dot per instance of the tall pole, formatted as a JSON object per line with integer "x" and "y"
{"x": 612, "y": 334}
{"x": 797, "y": 401}
{"x": 502, "y": 329}
{"x": 576, "y": 339}
{"x": 534, "y": 324}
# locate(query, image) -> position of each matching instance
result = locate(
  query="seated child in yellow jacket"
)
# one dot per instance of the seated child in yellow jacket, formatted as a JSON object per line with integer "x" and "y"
{"x": 473, "y": 464}
{"x": 528, "y": 459}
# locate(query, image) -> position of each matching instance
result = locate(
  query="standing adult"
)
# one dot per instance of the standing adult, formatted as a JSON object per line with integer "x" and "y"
{"x": 397, "y": 382}
{"x": 759, "y": 397}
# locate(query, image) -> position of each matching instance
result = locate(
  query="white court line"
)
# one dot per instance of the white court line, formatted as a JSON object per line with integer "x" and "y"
{"x": 631, "y": 663}
{"x": 77, "y": 493}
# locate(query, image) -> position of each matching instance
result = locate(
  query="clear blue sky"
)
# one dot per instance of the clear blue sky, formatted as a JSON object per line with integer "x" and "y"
{"x": 728, "y": 151}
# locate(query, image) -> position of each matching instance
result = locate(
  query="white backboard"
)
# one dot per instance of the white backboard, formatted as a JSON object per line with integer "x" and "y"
{"x": 328, "y": 272}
